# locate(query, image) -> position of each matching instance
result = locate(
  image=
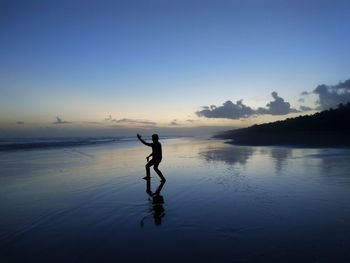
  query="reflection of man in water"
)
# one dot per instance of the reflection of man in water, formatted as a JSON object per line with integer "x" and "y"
{"x": 156, "y": 156}
{"x": 157, "y": 207}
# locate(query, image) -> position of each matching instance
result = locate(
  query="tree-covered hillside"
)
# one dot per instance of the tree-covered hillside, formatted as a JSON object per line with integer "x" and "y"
{"x": 326, "y": 128}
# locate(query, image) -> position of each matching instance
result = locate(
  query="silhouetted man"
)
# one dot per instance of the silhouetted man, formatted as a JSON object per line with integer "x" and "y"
{"x": 156, "y": 156}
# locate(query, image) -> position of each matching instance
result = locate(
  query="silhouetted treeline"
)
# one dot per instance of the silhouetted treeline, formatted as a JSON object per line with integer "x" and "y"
{"x": 326, "y": 128}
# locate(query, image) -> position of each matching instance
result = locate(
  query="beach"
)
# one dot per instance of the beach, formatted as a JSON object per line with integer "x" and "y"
{"x": 220, "y": 203}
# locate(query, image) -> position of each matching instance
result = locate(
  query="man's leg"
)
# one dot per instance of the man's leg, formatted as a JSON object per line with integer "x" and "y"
{"x": 148, "y": 172}
{"x": 148, "y": 186}
{"x": 155, "y": 167}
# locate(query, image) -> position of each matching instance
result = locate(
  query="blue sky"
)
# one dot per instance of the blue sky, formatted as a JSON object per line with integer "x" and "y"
{"x": 160, "y": 61}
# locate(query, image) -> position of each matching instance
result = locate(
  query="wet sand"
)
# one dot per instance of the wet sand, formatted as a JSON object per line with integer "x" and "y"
{"x": 220, "y": 203}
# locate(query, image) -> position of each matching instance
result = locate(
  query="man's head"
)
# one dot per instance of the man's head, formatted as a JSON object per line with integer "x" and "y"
{"x": 155, "y": 137}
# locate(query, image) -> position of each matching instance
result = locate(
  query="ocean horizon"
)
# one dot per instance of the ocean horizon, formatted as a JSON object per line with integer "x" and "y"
{"x": 32, "y": 143}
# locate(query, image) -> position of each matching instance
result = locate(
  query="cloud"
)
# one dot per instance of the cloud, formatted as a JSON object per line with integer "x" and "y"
{"x": 92, "y": 122}
{"x": 277, "y": 107}
{"x": 173, "y": 122}
{"x": 191, "y": 121}
{"x": 133, "y": 121}
{"x": 304, "y": 93}
{"x": 302, "y": 100}
{"x": 305, "y": 108}
{"x": 60, "y": 121}
{"x": 110, "y": 119}
{"x": 332, "y": 96}
{"x": 238, "y": 110}
{"x": 228, "y": 110}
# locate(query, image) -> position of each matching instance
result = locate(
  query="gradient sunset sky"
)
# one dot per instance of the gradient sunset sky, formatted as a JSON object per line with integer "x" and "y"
{"x": 115, "y": 67}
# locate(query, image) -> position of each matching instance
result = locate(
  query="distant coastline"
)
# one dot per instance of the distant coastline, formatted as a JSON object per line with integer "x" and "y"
{"x": 18, "y": 144}
{"x": 46, "y": 143}
{"x": 330, "y": 128}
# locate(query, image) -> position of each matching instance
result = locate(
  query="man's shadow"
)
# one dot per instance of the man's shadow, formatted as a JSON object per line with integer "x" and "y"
{"x": 157, "y": 202}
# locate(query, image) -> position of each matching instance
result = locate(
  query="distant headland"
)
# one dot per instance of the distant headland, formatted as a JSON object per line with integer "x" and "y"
{"x": 329, "y": 128}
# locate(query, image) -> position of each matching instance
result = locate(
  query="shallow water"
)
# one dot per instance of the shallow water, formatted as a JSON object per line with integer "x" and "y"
{"x": 221, "y": 203}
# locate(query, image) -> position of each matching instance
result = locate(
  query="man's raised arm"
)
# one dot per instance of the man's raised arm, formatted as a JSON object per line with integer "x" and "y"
{"x": 141, "y": 140}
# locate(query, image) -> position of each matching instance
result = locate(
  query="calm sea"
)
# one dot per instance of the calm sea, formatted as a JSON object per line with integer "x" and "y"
{"x": 86, "y": 202}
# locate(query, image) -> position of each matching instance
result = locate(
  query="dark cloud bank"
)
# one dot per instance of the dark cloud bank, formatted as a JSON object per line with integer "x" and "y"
{"x": 328, "y": 97}
{"x": 332, "y": 96}
{"x": 238, "y": 110}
